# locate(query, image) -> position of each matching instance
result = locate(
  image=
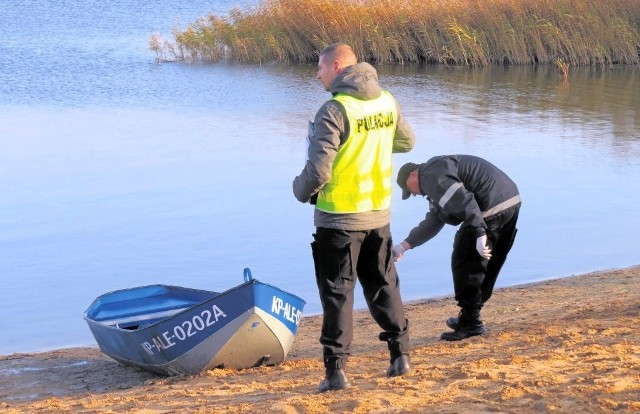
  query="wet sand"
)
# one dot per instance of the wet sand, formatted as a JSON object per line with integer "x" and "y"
{"x": 567, "y": 345}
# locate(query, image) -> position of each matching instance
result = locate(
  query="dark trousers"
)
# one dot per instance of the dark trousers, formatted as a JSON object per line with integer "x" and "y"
{"x": 473, "y": 276}
{"x": 342, "y": 257}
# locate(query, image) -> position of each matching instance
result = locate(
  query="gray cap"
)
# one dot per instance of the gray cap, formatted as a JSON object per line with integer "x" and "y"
{"x": 403, "y": 174}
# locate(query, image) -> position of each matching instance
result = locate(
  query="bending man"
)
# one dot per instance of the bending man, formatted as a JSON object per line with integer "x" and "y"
{"x": 472, "y": 192}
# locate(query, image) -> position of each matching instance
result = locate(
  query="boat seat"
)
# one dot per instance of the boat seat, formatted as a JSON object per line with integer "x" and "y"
{"x": 144, "y": 309}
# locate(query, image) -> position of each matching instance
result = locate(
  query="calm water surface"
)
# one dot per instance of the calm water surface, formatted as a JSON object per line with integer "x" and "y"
{"x": 117, "y": 172}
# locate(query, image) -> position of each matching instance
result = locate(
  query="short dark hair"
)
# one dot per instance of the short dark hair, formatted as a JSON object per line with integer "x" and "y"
{"x": 339, "y": 51}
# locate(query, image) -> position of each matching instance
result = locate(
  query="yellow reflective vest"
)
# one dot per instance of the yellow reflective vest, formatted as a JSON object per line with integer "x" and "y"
{"x": 361, "y": 176}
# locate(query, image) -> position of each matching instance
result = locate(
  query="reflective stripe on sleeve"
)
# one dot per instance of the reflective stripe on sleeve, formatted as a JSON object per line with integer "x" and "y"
{"x": 448, "y": 194}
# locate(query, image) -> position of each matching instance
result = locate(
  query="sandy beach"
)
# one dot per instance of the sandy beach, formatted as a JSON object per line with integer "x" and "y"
{"x": 566, "y": 345}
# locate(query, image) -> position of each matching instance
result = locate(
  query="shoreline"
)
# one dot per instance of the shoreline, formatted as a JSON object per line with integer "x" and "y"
{"x": 319, "y": 314}
{"x": 569, "y": 344}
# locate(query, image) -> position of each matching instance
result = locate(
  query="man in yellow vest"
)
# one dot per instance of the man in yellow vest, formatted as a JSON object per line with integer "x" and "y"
{"x": 348, "y": 176}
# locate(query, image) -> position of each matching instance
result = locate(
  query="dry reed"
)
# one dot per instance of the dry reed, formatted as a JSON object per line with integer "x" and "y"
{"x": 452, "y": 32}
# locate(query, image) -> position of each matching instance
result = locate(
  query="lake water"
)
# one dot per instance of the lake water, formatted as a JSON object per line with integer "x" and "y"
{"x": 116, "y": 171}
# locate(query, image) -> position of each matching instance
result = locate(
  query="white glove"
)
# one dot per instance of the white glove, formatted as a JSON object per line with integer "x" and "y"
{"x": 398, "y": 252}
{"x": 481, "y": 247}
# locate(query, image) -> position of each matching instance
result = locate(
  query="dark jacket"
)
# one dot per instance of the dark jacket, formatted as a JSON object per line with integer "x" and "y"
{"x": 462, "y": 189}
{"x": 328, "y": 132}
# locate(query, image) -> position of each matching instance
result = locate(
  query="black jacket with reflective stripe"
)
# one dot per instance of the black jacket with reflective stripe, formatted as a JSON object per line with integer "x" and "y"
{"x": 461, "y": 189}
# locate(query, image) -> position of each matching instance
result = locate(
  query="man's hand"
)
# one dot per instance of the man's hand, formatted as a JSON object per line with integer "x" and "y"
{"x": 398, "y": 251}
{"x": 481, "y": 247}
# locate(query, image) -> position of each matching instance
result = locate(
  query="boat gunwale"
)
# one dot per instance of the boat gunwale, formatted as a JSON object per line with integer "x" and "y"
{"x": 217, "y": 295}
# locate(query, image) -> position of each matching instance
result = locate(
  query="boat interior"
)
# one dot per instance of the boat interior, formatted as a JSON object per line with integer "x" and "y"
{"x": 133, "y": 309}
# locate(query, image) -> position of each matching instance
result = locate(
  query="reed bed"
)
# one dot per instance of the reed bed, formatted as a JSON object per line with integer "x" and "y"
{"x": 452, "y": 32}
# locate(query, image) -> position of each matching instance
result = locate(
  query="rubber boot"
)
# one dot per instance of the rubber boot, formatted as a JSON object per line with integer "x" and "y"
{"x": 467, "y": 324}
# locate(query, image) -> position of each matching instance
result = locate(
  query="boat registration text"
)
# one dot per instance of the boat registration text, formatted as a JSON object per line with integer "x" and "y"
{"x": 287, "y": 310}
{"x": 184, "y": 330}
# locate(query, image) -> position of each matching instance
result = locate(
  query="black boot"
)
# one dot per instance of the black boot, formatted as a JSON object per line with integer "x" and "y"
{"x": 467, "y": 324}
{"x": 452, "y": 322}
{"x": 335, "y": 379}
{"x": 399, "y": 366}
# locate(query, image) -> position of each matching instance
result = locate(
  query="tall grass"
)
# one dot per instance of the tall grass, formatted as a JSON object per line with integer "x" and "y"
{"x": 452, "y": 32}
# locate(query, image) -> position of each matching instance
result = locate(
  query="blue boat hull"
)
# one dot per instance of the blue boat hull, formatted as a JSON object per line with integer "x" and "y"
{"x": 172, "y": 330}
